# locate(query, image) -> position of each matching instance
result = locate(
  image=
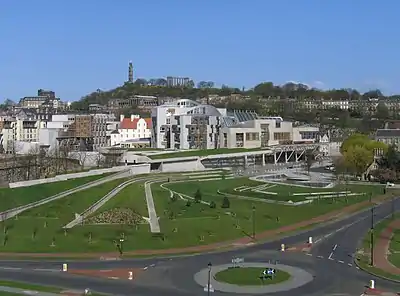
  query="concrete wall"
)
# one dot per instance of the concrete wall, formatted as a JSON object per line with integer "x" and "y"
{"x": 186, "y": 166}
{"x": 135, "y": 170}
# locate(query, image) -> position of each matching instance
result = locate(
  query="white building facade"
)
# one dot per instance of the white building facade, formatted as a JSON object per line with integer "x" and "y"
{"x": 131, "y": 130}
{"x": 186, "y": 124}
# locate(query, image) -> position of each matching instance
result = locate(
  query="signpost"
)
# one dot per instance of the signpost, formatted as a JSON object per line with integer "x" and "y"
{"x": 236, "y": 262}
{"x": 268, "y": 273}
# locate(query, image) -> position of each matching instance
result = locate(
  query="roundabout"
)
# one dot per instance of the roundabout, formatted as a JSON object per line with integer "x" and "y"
{"x": 287, "y": 278}
{"x": 252, "y": 276}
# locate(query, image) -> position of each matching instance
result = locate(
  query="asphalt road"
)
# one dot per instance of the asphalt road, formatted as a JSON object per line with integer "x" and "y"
{"x": 330, "y": 262}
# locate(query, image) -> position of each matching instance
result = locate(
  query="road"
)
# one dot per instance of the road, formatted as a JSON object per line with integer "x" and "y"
{"x": 330, "y": 262}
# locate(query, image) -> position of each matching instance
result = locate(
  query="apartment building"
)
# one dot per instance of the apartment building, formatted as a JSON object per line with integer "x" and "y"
{"x": 81, "y": 132}
{"x": 132, "y": 132}
{"x": 264, "y": 132}
{"x": 186, "y": 124}
{"x": 17, "y": 131}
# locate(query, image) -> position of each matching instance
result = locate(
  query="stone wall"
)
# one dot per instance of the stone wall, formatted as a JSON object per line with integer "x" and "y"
{"x": 134, "y": 170}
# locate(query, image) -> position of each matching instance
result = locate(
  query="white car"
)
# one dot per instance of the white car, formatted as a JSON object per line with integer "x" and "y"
{"x": 388, "y": 184}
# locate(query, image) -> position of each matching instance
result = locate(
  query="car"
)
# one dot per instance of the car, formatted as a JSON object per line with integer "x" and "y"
{"x": 389, "y": 184}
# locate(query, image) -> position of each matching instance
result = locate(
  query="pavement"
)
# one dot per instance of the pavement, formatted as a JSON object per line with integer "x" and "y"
{"x": 153, "y": 219}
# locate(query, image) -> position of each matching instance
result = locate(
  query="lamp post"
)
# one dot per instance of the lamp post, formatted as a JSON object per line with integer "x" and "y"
{"x": 254, "y": 221}
{"x": 372, "y": 236}
{"x": 209, "y": 278}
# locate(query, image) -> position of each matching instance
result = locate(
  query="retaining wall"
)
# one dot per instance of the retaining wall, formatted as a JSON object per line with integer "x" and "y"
{"x": 134, "y": 170}
{"x": 194, "y": 165}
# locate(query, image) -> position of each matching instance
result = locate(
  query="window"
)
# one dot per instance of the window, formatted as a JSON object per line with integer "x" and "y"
{"x": 252, "y": 136}
{"x": 168, "y": 121}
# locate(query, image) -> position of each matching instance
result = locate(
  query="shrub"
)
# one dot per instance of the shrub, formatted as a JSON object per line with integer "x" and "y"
{"x": 225, "y": 203}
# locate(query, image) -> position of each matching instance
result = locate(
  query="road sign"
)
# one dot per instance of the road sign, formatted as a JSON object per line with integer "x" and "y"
{"x": 64, "y": 267}
{"x": 237, "y": 261}
{"x": 207, "y": 288}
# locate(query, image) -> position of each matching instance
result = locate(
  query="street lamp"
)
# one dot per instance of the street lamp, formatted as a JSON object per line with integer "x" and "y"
{"x": 209, "y": 278}
{"x": 254, "y": 221}
{"x": 372, "y": 235}
{"x": 121, "y": 245}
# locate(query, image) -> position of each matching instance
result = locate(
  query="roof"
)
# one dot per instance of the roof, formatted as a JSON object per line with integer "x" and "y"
{"x": 127, "y": 123}
{"x": 388, "y": 133}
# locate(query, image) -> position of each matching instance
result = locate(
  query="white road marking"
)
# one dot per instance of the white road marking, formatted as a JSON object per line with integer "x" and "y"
{"x": 334, "y": 248}
{"x": 308, "y": 254}
{"x": 10, "y": 268}
{"x": 320, "y": 257}
{"x": 340, "y": 261}
{"x": 349, "y": 264}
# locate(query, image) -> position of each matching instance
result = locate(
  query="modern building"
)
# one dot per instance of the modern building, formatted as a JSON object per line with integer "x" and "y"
{"x": 186, "y": 124}
{"x": 78, "y": 132}
{"x": 265, "y": 132}
{"x": 133, "y": 131}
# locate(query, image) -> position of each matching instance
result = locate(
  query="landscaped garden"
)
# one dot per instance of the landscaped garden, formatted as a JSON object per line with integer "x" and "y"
{"x": 192, "y": 212}
{"x": 15, "y": 197}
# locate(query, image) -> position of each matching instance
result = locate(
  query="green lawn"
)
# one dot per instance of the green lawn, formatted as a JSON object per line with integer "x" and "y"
{"x": 363, "y": 259}
{"x": 31, "y": 287}
{"x": 201, "y": 152}
{"x": 47, "y": 221}
{"x": 14, "y": 197}
{"x": 182, "y": 224}
{"x": 286, "y": 192}
{"x": 131, "y": 197}
{"x": 250, "y": 276}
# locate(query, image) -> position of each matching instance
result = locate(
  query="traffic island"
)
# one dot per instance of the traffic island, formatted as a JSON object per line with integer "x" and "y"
{"x": 252, "y": 278}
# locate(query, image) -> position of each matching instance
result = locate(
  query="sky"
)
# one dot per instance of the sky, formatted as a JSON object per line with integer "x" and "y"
{"x": 75, "y": 47}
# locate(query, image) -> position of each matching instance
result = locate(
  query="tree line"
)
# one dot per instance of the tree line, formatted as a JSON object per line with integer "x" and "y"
{"x": 264, "y": 90}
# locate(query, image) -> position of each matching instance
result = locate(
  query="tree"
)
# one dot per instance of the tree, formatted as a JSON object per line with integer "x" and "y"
{"x": 197, "y": 196}
{"x": 358, "y": 159}
{"x": 225, "y": 203}
{"x": 382, "y": 111}
{"x": 309, "y": 159}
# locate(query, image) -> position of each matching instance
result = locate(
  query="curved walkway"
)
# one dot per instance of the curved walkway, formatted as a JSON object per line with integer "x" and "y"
{"x": 298, "y": 278}
{"x": 381, "y": 250}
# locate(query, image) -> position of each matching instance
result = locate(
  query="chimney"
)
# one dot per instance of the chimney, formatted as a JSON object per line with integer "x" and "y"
{"x": 121, "y": 117}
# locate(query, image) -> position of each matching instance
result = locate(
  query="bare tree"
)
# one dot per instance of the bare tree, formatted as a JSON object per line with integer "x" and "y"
{"x": 309, "y": 159}
{"x": 81, "y": 156}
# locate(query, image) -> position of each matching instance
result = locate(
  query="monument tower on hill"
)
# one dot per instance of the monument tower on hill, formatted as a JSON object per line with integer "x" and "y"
{"x": 130, "y": 73}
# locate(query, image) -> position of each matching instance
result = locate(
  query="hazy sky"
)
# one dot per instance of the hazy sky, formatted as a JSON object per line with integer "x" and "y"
{"x": 75, "y": 47}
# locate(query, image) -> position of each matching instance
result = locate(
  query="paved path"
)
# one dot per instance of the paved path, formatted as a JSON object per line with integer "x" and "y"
{"x": 381, "y": 250}
{"x": 299, "y": 277}
{"x": 153, "y": 219}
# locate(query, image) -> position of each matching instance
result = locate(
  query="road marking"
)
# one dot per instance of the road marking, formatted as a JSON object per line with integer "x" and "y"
{"x": 113, "y": 278}
{"x": 11, "y": 268}
{"x": 349, "y": 264}
{"x": 318, "y": 240}
{"x": 330, "y": 256}
{"x": 308, "y": 254}
{"x": 340, "y": 261}
{"x": 320, "y": 257}
{"x": 334, "y": 248}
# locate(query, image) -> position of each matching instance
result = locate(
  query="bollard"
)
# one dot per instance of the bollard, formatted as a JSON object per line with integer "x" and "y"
{"x": 310, "y": 240}
{"x": 283, "y": 247}
{"x": 65, "y": 267}
{"x": 372, "y": 284}
{"x": 130, "y": 276}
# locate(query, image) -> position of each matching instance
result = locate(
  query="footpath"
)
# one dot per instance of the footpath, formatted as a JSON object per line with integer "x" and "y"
{"x": 212, "y": 247}
{"x": 381, "y": 250}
